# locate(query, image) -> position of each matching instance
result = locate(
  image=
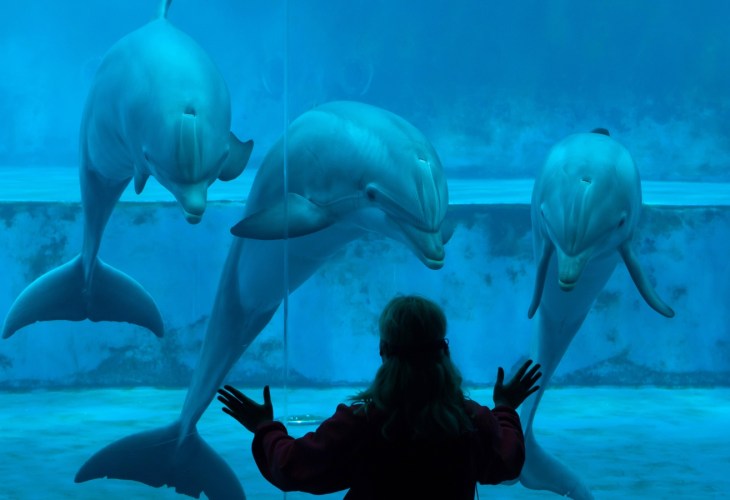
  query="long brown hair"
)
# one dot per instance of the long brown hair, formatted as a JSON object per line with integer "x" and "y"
{"x": 417, "y": 386}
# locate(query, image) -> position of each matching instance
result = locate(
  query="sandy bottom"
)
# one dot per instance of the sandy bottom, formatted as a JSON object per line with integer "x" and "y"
{"x": 626, "y": 443}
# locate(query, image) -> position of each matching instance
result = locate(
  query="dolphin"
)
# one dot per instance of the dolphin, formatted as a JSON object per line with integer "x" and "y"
{"x": 341, "y": 170}
{"x": 158, "y": 106}
{"x": 585, "y": 207}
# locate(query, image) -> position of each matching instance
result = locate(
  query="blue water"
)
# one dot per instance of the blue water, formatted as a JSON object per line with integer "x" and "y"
{"x": 493, "y": 85}
{"x": 640, "y": 403}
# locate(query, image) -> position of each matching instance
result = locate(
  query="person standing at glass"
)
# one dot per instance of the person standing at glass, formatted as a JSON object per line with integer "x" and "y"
{"x": 411, "y": 434}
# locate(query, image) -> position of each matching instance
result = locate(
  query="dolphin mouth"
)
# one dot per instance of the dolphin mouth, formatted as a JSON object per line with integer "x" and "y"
{"x": 428, "y": 246}
{"x": 433, "y": 259}
{"x": 432, "y": 263}
{"x": 192, "y": 199}
{"x": 567, "y": 286}
{"x": 193, "y": 218}
{"x": 570, "y": 268}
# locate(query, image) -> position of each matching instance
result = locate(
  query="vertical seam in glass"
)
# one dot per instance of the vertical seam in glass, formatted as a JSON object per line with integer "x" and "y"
{"x": 286, "y": 215}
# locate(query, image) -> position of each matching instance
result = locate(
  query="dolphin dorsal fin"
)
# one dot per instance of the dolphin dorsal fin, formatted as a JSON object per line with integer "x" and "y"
{"x": 164, "y": 7}
{"x": 600, "y": 130}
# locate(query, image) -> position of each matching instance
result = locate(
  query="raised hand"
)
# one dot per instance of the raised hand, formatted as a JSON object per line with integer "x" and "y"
{"x": 520, "y": 386}
{"x": 244, "y": 409}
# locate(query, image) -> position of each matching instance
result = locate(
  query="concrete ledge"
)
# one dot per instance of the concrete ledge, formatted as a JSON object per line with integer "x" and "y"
{"x": 61, "y": 184}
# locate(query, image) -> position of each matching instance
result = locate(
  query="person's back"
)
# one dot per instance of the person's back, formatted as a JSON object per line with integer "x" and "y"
{"x": 407, "y": 469}
{"x": 411, "y": 434}
{"x": 426, "y": 435}
{"x": 431, "y": 468}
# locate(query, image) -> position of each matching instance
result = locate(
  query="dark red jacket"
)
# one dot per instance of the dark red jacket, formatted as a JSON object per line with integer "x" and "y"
{"x": 348, "y": 451}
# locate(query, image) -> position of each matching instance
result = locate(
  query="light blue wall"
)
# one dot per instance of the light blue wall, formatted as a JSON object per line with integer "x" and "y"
{"x": 485, "y": 288}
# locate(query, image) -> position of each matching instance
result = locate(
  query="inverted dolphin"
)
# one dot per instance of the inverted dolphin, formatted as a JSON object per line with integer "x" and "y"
{"x": 351, "y": 168}
{"x": 158, "y": 107}
{"x": 585, "y": 207}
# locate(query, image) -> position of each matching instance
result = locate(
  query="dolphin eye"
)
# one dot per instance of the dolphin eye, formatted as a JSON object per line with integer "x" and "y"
{"x": 370, "y": 193}
{"x": 622, "y": 222}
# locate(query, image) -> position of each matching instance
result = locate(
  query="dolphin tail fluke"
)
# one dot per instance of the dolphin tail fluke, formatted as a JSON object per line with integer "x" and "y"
{"x": 55, "y": 295}
{"x": 62, "y": 294}
{"x": 117, "y": 297}
{"x": 158, "y": 458}
{"x": 543, "y": 471}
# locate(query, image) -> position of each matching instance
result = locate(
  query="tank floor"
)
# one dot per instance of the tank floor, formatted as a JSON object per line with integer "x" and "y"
{"x": 625, "y": 442}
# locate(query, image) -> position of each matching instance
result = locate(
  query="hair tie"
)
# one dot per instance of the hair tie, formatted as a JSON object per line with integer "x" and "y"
{"x": 413, "y": 352}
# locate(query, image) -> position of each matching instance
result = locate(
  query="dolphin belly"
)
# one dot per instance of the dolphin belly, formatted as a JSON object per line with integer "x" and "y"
{"x": 559, "y": 318}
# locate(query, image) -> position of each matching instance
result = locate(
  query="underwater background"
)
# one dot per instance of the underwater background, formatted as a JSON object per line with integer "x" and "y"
{"x": 639, "y": 405}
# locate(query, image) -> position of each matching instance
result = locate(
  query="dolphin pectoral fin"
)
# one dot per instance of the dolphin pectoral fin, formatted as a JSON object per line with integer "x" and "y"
{"x": 55, "y": 295}
{"x": 140, "y": 180}
{"x": 542, "y": 267}
{"x": 158, "y": 458}
{"x": 114, "y": 296}
{"x": 296, "y": 216}
{"x": 642, "y": 282}
{"x": 237, "y": 158}
{"x": 163, "y": 8}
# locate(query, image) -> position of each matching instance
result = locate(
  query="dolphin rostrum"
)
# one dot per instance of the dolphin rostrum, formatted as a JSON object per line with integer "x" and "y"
{"x": 350, "y": 168}
{"x": 585, "y": 207}
{"x": 158, "y": 106}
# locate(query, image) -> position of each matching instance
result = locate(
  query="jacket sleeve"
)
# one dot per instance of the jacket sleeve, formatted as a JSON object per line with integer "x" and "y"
{"x": 502, "y": 453}
{"x": 319, "y": 462}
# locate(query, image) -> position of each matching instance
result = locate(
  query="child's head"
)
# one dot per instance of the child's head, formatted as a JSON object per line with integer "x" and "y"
{"x": 418, "y": 385}
{"x": 412, "y": 328}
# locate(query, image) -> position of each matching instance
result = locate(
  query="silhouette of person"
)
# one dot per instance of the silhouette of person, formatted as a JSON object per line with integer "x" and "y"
{"x": 411, "y": 434}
